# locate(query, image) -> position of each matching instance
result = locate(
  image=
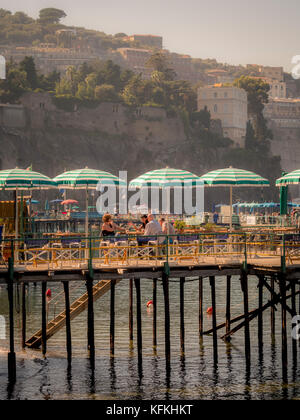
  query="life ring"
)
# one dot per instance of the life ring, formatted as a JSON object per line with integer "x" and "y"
{"x": 149, "y": 303}
{"x": 210, "y": 310}
{"x": 49, "y": 293}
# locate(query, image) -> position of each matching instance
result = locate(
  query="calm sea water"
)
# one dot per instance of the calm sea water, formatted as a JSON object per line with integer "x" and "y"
{"x": 191, "y": 377}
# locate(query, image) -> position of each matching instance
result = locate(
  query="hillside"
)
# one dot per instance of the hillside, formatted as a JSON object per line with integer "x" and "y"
{"x": 110, "y": 138}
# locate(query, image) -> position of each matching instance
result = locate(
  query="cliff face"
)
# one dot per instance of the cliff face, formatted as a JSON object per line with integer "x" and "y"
{"x": 112, "y": 138}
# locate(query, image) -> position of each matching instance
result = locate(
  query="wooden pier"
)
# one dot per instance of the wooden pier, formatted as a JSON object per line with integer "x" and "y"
{"x": 270, "y": 262}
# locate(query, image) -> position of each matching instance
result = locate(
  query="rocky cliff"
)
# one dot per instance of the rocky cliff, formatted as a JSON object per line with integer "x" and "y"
{"x": 113, "y": 138}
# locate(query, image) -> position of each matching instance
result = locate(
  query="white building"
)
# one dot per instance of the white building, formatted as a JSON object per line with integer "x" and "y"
{"x": 228, "y": 104}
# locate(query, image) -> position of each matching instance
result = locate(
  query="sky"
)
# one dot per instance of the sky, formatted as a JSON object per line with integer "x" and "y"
{"x": 263, "y": 32}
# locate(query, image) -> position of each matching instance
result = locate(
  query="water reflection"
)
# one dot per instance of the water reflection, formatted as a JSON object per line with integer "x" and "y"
{"x": 191, "y": 376}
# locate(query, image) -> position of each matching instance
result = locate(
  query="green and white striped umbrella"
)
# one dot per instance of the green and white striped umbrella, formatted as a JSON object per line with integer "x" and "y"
{"x": 86, "y": 179}
{"x": 22, "y": 179}
{"x": 232, "y": 177}
{"x": 166, "y": 178}
{"x": 292, "y": 178}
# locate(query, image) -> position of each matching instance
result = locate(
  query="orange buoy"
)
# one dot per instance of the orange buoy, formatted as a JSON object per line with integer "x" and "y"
{"x": 149, "y": 303}
{"x": 49, "y": 293}
{"x": 210, "y": 310}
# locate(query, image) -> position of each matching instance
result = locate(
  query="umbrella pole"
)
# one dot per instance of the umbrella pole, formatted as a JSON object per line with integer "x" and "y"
{"x": 230, "y": 224}
{"x": 16, "y": 226}
{"x": 87, "y": 218}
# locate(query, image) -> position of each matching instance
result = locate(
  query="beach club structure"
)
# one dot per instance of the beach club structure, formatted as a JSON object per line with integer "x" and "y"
{"x": 268, "y": 256}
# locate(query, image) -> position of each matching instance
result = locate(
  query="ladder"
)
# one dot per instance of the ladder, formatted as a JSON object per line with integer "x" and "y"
{"x": 77, "y": 307}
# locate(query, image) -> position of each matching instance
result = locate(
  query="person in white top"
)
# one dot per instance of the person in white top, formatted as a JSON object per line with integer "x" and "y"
{"x": 153, "y": 228}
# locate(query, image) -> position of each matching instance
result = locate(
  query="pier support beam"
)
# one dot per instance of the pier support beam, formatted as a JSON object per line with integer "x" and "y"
{"x": 165, "y": 281}
{"x": 112, "y": 317}
{"x": 282, "y": 285}
{"x": 131, "y": 311}
{"x": 24, "y": 286}
{"x": 91, "y": 333}
{"x": 214, "y": 318}
{"x": 154, "y": 313}
{"x": 137, "y": 283}
{"x": 200, "y": 306}
{"x": 182, "y": 281}
{"x": 228, "y": 306}
{"x": 244, "y": 285}
{"x": 260, "y": 315}
{"x": 294, "y": 342}
{"x": 272, "y": 310}
{"x": 68, "y": 323}
{"x": 44, "y": 319}
{"x": 11, "y": 355}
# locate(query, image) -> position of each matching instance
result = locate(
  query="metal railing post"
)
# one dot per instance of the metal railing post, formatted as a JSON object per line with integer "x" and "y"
{"x": 245, "y": 253}
{"x": 283, "y": 257}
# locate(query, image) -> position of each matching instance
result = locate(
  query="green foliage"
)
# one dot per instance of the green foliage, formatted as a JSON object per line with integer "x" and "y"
{"x": 51, "y": 15}
{"x": 27, "y": 65}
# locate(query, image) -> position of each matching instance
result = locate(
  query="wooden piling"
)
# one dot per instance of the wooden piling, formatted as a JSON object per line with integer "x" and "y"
{"x": 165, "y": 281}
{"x": 68, "y": 322}
{"x": 137, "y": 283}
{"x": 272, "y": 310}
{"x": 11, "y": 355}
{"x": 214, "y": 317}
{"x": 154, "y": 313}
{"x": 23, "y": 315}
{"x": 294, "y": 342}
{"x": 201, "y": 306}
{"x": 131, "y": 311}
{"x": 244, "y": 285}
{"x": 112, "y": 317}
{"x": 260, "y": 315}
{"x": 44, "y": 319}
{"x": 284, "y": 349}
{"x": 91, "y": 333}
{"x": 182, "y": 281}
{"x": 228, "y": 306}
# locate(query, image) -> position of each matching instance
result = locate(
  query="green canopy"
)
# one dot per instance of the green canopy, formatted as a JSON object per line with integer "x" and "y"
{"x": 232, "y": 177}
{"x": 166, "y": 178}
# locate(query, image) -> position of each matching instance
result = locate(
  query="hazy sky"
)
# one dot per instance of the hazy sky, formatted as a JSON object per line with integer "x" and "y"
{"x": 233, "y": 31}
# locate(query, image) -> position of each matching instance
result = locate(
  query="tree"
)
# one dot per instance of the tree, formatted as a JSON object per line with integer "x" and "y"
{"x": 51, "y": 15}
{"x": 133, "y": 93}
{"x": 160, "y": 63}
{"x": 106, "y": 93}
{"x": 257, "y": 91}
{"x": 28, "y": 66}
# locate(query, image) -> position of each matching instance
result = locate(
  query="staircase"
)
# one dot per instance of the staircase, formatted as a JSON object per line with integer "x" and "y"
{"x": 77, "y": 307}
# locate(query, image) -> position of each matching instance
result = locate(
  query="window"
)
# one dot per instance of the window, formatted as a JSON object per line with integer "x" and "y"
{"x": 215, "y": 108}
{"x": 225, "y": 95}
{"x": 215, "y": 95}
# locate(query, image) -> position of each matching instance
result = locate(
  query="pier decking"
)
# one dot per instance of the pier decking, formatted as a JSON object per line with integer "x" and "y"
{"x": 273, "y": 260}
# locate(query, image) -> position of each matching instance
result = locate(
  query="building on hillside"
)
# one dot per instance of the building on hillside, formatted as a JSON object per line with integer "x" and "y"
{"x": 229, "y": 104}
{"x": 153, "y": 41}
{"x": 278, "y": 90}
{"x": 219, "y": 76}
{"x": 275, "y": 73}
{"x": 48, "y": 59}
{"x": 284, "y": 113}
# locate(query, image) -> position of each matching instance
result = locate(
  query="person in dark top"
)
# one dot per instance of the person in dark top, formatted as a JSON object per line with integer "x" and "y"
{"x": 109, "y": 227}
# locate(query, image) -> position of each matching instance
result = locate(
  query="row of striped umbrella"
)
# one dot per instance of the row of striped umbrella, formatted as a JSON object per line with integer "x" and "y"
{"x": 164, "y": 178}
